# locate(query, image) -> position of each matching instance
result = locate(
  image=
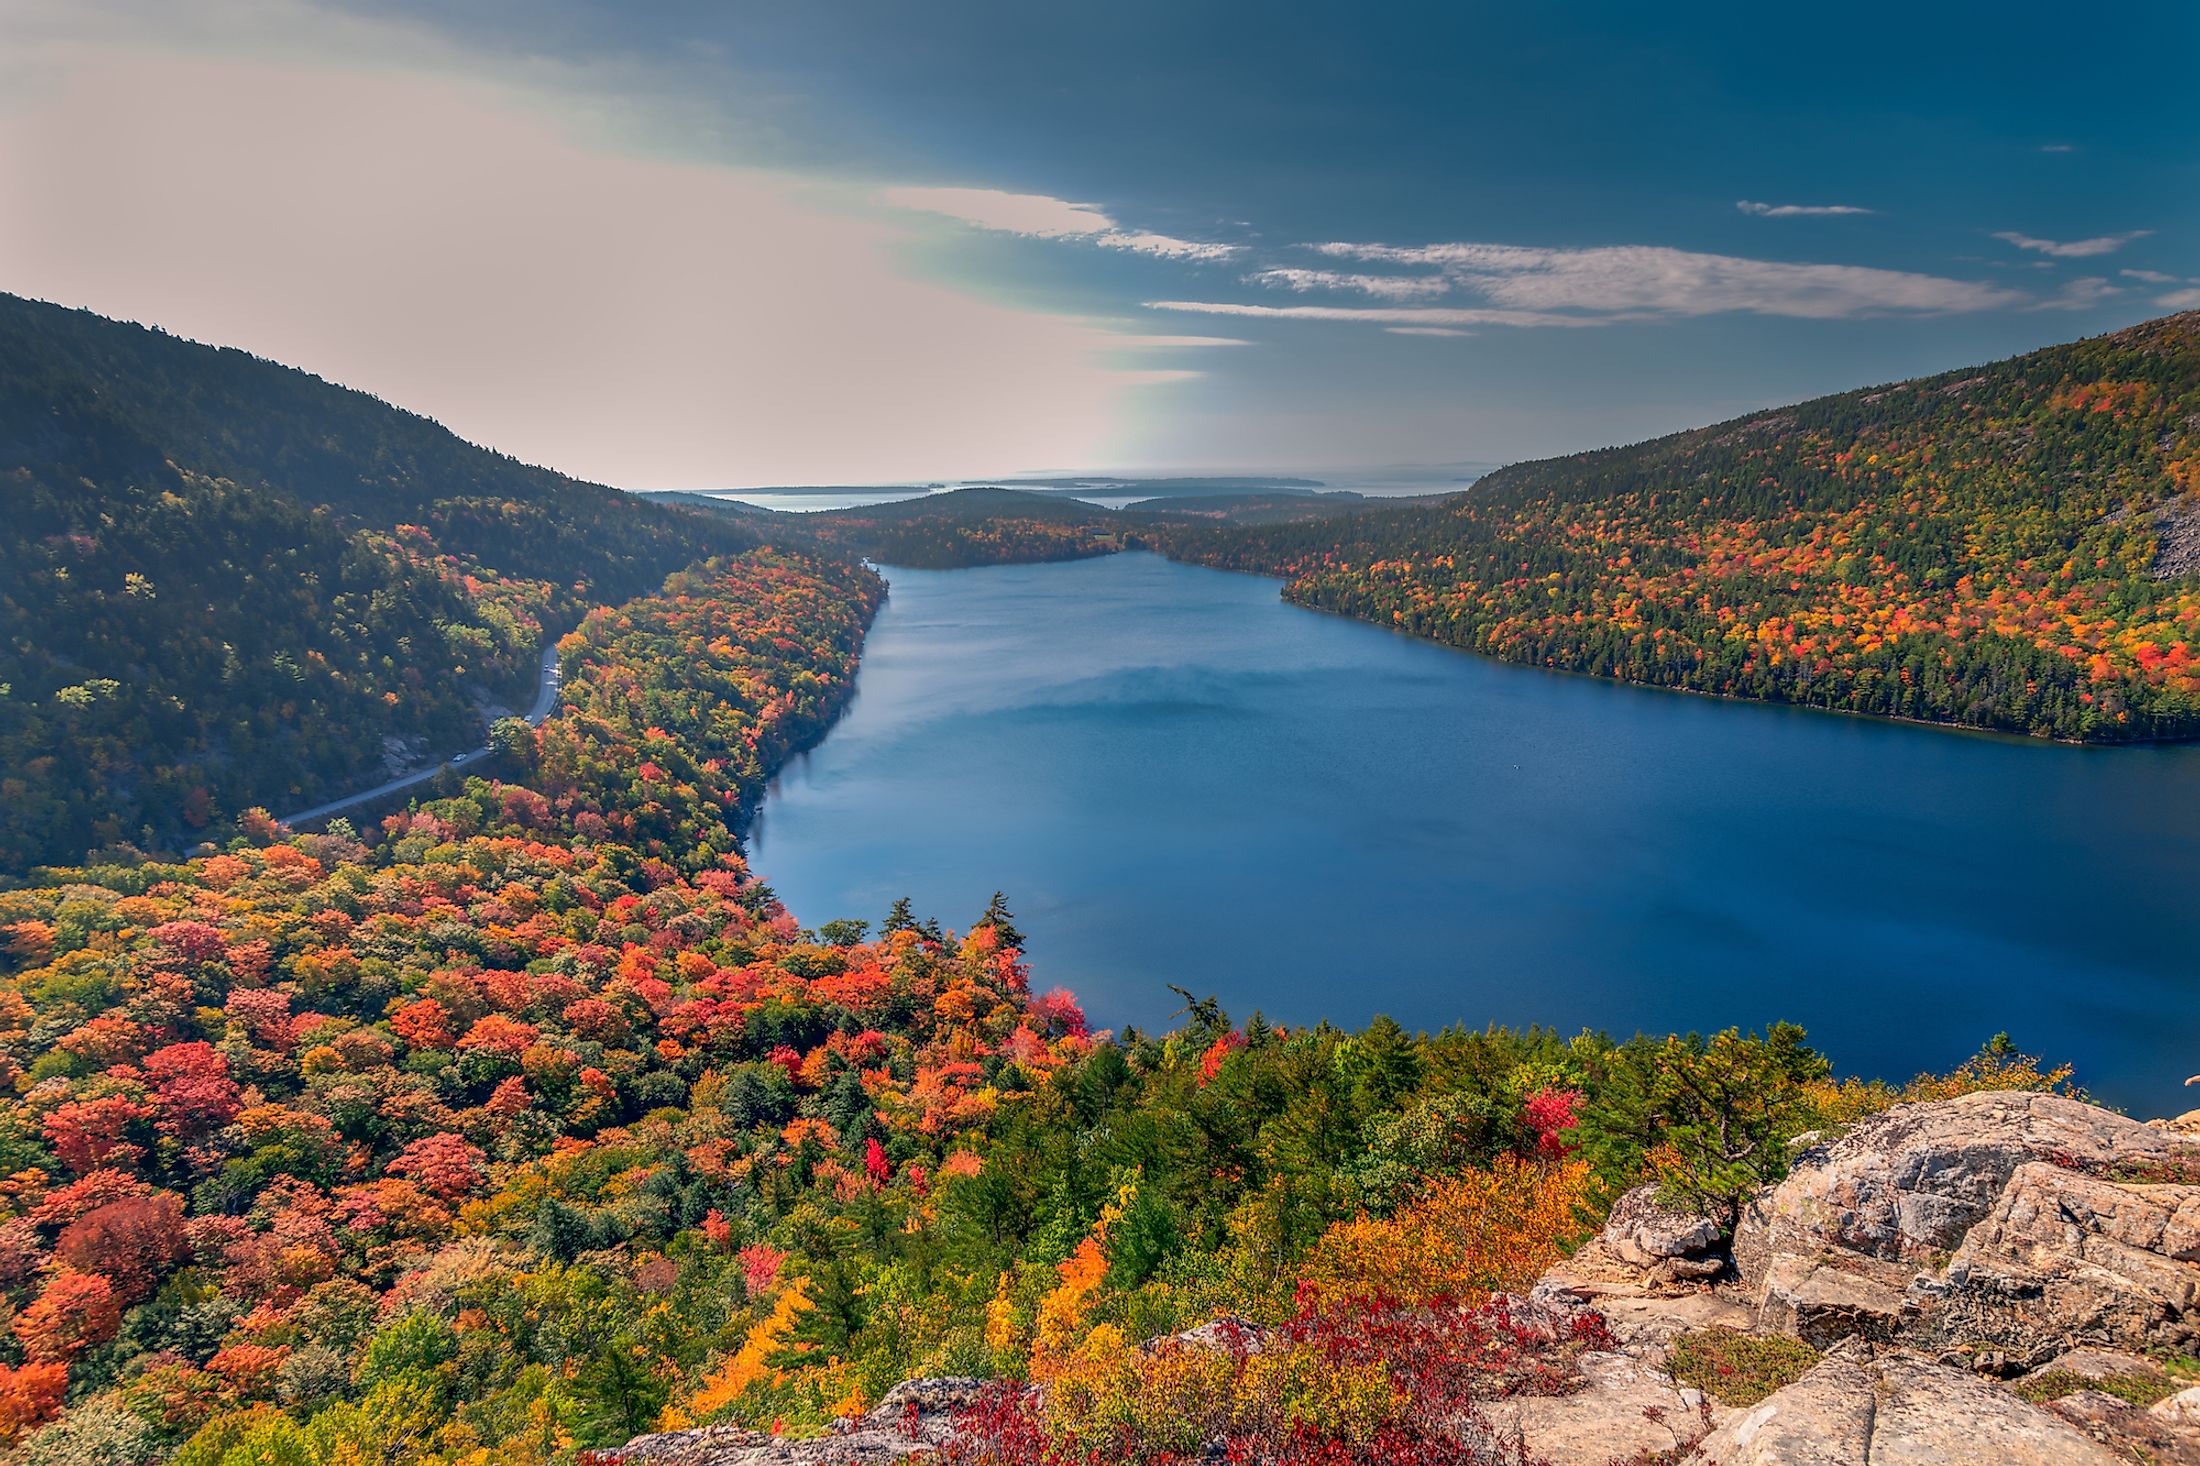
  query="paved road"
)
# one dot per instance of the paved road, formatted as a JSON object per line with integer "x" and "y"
{"x": 546, "y": 698}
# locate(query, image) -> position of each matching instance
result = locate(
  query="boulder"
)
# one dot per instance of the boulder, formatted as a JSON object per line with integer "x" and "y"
{"x": 2065, "y": 1255}
{"x": 1649, "y": 1273}
{"x": 2181, "y": 1410}
{"x": 1995, "y": 1220}
{"x": 2186, "y": 1124}
{"x": 1907, "y": 1185}
{"x": 1667, "y": 1244}
{"x": 1821, "y": 1297}
{"x": 2132, "y": 1433}
{"x": 2100, "y": 1364}
{"x": 910, "y": 1420}
{"x": 1228, "y": 1334}
{"x": 1624, "y": 1409}
{"x": 1895, "y": 1409}
{"x": 1647, "y": 1326}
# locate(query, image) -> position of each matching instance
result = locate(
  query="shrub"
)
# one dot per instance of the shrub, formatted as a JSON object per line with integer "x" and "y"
{"x": 1471, "y": 1235}
{"x": 1737, "y": 1368}
{"x": 2140, "y": 1387}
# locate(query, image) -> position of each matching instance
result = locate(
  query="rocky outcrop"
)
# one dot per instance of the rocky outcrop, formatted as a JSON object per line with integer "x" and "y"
{"x": 2177, "y": 538}
{"x": 2028, "y": 1223}
{"x": 1668, "y": 1246}
{"x": 1895, "y": 1409}
{"x": 1907, "y": 1185}
{"x": 1646, "y": 1272}
{"x": 1228, "y": 1334}
{"x": 911, "y": 1420}
{"x": 2130, "y": 1432}
{"x": 1927, "y": 1251}
{"x": 1625, "y": 1409}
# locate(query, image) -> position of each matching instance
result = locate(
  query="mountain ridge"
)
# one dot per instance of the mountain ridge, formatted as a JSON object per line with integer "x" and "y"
{"x": 230, "y": 582}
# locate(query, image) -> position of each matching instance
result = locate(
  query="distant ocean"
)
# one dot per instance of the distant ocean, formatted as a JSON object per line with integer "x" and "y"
{"x": 1389, "y": 481}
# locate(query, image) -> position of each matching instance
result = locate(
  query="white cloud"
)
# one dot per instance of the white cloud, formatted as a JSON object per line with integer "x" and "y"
{"x": 1796, "y": 211}
{"x": 1378, "y": 314}
{"x": 1166, "y": 246}
{"x": 2076, "y": 249}
{"x": 2080, "y": 295}
{"x": 1129, "y": 342}
{"x": 1653, "y": 280}
{"x": 2150, "y": 277}
{"x": 1012, "y": 213}
{"x": 1426, "y": 331}
{"x": 1038, "y": 216}
{"x": 1382, "y": 287}
{"x": 2180, "y": 300}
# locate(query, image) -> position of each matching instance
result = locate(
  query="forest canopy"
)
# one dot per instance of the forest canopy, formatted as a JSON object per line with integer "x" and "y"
{"x": 528, "y": 1121}
{"x": 224, "y": 582}
{"x": 2015, "y": 546}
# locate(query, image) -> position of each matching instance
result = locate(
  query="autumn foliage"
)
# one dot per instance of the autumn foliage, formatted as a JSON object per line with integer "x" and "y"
{"x": 1984, "y": 547}
{"x": 534, "y": 1122}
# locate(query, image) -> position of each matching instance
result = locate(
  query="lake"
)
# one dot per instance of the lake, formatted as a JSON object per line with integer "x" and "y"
{"x": 1177, "y": 777}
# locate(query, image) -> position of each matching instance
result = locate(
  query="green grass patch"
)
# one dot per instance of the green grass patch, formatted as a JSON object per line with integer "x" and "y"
{"x": 1736, "y": 1368}
{"x": 2139, "y": 1387}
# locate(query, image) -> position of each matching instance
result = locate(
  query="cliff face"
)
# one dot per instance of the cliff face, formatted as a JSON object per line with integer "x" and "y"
{"x": 1991, "y": 1278}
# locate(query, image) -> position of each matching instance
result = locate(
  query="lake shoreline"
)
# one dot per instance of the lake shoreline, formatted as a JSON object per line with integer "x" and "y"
{"x": 1190, "y": 782}
{"x": 1770, "y": 702}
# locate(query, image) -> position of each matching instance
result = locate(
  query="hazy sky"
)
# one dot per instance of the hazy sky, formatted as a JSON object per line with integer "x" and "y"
{"x": 787, "y": 241}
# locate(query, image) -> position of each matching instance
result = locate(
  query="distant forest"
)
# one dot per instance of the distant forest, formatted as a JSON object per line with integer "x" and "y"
{"x": 2010, "y": 547}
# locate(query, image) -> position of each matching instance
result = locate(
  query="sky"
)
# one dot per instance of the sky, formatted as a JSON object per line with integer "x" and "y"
{"x": 739, "y": 242}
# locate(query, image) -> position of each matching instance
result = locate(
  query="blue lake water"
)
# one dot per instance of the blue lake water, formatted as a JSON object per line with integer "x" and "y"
{"x": 1176, "y": 777}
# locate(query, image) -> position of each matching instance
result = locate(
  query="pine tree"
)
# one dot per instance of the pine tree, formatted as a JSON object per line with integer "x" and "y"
{"x": 1004, "y": 925}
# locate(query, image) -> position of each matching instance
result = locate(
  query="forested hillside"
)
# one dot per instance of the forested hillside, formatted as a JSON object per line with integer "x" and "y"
{"x": 225, "y": 583}
{"x": 536, "y": 1123}
{"x": 968, "y": 527}
{"x": 2012, "y": 546}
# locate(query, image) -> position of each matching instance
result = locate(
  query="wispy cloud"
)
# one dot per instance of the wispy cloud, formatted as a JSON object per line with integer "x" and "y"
{"x": 1426, "y": 331}
{"x": 1129, "y": 342}
{"x": 1167, "y": 246}
{"x": 2150, "y": 277}
{"x": 1378, "y": 314}
{"x": 1012, "y": 213}
{"x": 2075, "y": 249}
{"x": 1382, "y": 287}
{"x": 2180, "y": 300}
{"x": 1648, "y": 281}
{"x": 2081, "y": 295}
{"x": 1040, "y": 216}
{"x": 1797, "y": 211}
{"x": 2058, "y": 148}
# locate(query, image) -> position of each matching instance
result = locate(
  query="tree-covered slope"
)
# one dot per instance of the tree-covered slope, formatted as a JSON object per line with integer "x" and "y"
{"x": 981, "y": 526}
{"x": 2009, "y": 546}
{"x": 537, "y": 1123}
{"x": 224, "y": 582}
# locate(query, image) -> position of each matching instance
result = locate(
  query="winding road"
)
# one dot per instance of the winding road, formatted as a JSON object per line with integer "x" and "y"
{"x": 546, "y": 698}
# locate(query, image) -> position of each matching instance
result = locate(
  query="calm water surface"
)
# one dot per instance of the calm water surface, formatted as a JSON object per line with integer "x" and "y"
{"x": 1179, "y": 778}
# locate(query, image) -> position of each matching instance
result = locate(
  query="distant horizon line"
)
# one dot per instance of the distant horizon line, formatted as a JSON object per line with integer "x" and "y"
{"x": 1302, "y": 477}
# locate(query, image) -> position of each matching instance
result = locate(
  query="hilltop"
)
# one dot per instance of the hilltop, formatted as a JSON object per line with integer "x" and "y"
{"x": 224, "y": 582}
{"x": 2011, "y": 546}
